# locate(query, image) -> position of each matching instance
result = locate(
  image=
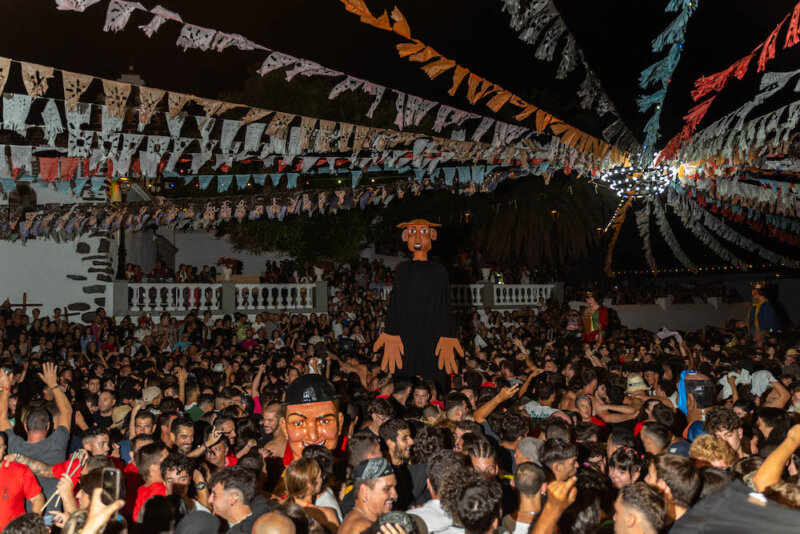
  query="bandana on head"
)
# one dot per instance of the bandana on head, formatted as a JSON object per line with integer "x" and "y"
{"x": 372, "y": 469}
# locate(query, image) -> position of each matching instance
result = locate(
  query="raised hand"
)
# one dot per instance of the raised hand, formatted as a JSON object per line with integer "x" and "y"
{"x": 446, "y": 350}
{"x": 393, "y": 351}
{"x": 99, "y": 513}
{"x": 49, "y": 374}
{"x": 508, "y": 392}
{"x": 6, "y": 380}
{"x": 560, "y": 494}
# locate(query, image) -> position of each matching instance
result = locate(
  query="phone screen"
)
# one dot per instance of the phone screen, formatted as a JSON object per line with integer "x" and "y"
{"x": 111, "y": 484}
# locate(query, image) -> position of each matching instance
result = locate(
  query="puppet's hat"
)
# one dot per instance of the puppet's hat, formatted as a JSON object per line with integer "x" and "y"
{"x": 418, "y": 222}
{"x": 309, "y": 388}
{"x": 758, "y": 285}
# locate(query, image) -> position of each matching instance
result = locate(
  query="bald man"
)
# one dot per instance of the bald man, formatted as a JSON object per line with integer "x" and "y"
{"x": 273, "y": 523}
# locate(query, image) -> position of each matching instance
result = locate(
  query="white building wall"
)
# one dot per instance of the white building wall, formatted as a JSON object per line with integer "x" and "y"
{"x": 198, "y": 247}
{"x": 76, "y": 275}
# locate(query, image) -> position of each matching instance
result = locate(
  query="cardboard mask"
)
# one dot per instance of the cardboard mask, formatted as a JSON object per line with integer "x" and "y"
{"x": 312, "y": 414}
{"x": 418, "y": 236}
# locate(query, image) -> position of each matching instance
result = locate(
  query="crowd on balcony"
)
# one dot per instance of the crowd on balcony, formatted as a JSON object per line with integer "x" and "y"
{"x": 555, "y": 421}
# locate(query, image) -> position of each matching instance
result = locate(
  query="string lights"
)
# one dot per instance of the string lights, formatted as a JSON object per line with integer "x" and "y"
{"x": 638, "y": 182}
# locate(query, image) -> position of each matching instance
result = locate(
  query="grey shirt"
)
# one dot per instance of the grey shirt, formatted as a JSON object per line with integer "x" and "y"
{"x": 51, "y": 450}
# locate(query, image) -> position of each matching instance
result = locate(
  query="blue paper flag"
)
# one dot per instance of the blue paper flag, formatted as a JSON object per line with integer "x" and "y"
{"x": 419, "y": 174}
{"x": 97, "y": 184}
{"x": 63, "y": 187}
{"x": 204, "y": 180}
{"x": 464, "y": 174}
{"x": 478, "y": 173}
{"x": 242, "y": 180}
{"x": 187, "y": 178}
{"x": 356, "y": 176}
{"x": 276, "y": 178}
{"x": 449, "y": 174}
{"x": 79, "y": 184}
{"x": 8, "y": 184}
{"x": 291, "y": 178}
{"x": 224, "y": 182}
{"x": 259, "y": 179}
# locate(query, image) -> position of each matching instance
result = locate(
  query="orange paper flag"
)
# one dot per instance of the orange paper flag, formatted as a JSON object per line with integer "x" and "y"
{"x": 437, "y": 67}
{"x": 458, "y": 77}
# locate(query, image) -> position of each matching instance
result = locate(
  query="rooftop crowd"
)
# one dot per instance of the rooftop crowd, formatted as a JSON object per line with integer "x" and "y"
{"x": 181, "y": 424}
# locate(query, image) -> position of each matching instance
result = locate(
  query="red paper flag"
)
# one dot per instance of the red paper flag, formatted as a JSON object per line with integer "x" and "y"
{"x": 715, "y": 82}
{"x": 768, "y": 50}
{"x": 793, "y": 33}
{"x": 68, "y": 168}
{"x": 48, "y": 169}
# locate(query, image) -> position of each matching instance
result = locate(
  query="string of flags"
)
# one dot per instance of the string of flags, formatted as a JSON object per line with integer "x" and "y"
{"x": 710, "y": 86}
{"x": 480, "y": 89}
{"x": 224, "y": 143}
{"x": 68, "y": 221}
{"x": 540, "y": 24}
{"x": 411, "y": 109}
{"x": 659, "y": 74}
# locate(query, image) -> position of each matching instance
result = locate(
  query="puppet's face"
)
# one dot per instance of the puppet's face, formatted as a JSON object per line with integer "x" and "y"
{"x": 418, "y": 237}
{"x": 315, "y": 423}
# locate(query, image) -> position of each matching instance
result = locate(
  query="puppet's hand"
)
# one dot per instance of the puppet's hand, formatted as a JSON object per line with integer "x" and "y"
{"x": 445, "y": 350}
{"x": 392, "y": 351}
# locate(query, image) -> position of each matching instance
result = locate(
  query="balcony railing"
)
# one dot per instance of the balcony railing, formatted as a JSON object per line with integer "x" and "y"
{"x": 229, "y": 297}
{"x": 494, "y": 295}
{"x": 218, "y": 298}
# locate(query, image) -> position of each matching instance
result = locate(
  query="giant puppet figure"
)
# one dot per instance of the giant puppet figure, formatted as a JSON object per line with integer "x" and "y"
{"x": 761, "y": 317}
{"x": 312, "y": 416}
{"x": 595, "y": 320}
{"x": 420, "y": 334}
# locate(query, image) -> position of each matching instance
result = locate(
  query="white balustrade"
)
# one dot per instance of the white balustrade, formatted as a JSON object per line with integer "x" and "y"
{"x": 520, "y": 295}
{"x": 255, "y": 297}
{"x": 173, "y": 297}
{"x": 465, "y": 296}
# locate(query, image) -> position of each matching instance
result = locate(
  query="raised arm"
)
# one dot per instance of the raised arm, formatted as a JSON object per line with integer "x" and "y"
{"x": 49, "y": 376}
{"x": 256, "y": 385}
{"x": 182, "y": 374}
{"x": 783, "y": 396}
{"x": 5, "y": 392}
{"x": 559, "y": 496}
{"x": 485, "y": 410}
{"x": 771, "y": 470}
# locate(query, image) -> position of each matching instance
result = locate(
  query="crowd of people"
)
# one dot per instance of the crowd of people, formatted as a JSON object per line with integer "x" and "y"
{"x": 552, "y": 423}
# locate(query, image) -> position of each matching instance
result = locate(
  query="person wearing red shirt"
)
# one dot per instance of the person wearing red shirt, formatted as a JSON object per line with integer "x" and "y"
{"x": 148, "y": 461}
{"x": 130, "y": 474}
{"x": 17, "y": 484}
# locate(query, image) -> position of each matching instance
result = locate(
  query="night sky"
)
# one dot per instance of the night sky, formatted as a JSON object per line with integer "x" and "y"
{"x": 614, "y": 35}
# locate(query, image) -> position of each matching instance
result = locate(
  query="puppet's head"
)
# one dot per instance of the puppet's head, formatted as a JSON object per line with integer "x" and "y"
{"x": 312, "y": 414}
{"x": 758, "y": 289}
{"x": 419, "y": 235}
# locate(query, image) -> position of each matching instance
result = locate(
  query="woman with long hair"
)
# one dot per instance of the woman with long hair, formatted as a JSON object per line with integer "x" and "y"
{"x": 304, "y": 483}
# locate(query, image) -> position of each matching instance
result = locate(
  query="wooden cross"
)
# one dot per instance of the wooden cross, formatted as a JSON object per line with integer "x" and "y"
{"x": 25, "y": 305}
{"x": 65, "y": 314}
